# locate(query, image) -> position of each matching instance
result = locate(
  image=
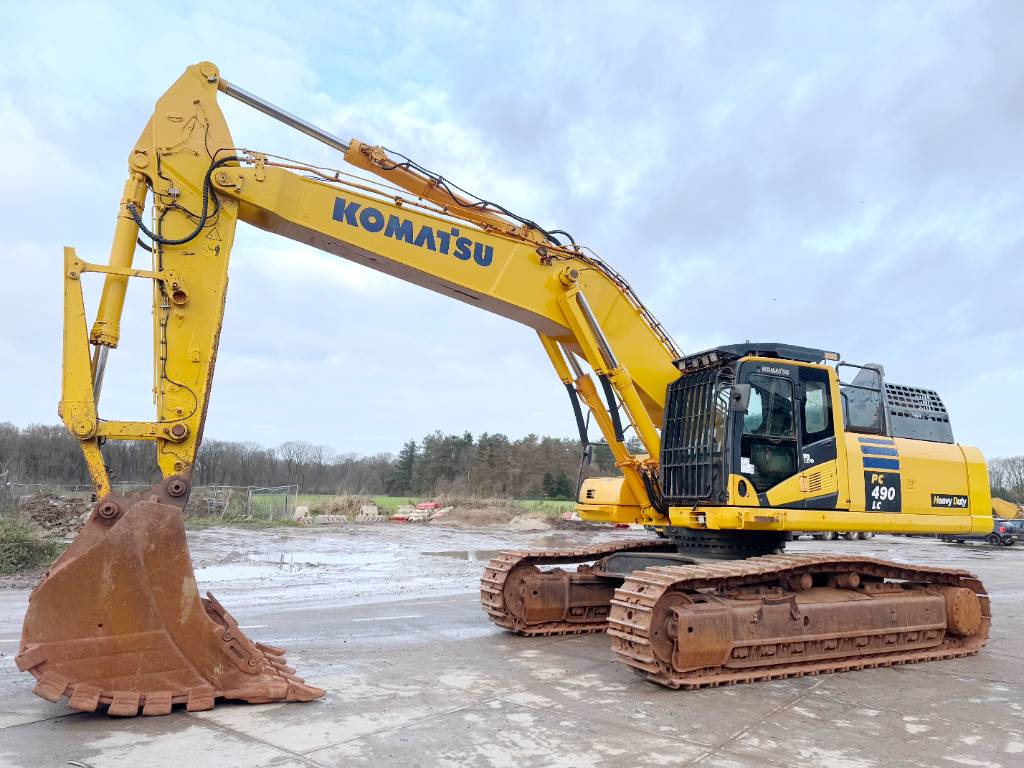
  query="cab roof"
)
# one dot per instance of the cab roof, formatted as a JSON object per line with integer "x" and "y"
{"x": 729, "y": 352}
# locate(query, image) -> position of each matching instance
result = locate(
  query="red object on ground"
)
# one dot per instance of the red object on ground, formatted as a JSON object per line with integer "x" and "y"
{"x": 428, "y": 505}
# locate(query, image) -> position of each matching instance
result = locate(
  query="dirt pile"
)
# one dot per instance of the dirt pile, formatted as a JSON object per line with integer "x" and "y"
{"x": 492, "y": 517}
{"x": 347, "y": 504}
{"x": 531, "y": 521}
{"x": 58, "y": 516}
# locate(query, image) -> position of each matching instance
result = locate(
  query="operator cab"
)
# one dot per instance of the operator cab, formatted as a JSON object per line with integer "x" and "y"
{"x": 767, "y": 412}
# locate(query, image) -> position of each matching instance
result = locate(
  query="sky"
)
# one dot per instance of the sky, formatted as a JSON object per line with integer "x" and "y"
{"x": 838, "y": 175}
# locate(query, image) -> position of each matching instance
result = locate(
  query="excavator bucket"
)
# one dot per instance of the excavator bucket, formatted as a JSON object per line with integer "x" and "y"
{"x": 118, "y": 621}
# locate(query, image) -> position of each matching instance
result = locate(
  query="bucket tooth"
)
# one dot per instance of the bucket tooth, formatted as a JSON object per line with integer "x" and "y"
{"x": 303, "y": 692}
{"x": 283, "y": 668}
{"x": 119, "y": 619}
{"x": 124, "y": 704}
{"x": 51, "y": 687}
{"x": 269, "y": 650}
{"x": 158, "y": 703}
{"x": 85, "y": 698}
{"x": 200, "y": 699}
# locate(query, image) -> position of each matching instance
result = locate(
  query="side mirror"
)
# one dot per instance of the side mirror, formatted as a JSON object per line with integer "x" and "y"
{"x": 739, "y": 398}
{"x": 588, "y": 454}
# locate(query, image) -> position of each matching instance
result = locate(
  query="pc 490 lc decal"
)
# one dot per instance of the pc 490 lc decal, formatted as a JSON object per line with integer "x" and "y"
{"x": 882, "y": 492}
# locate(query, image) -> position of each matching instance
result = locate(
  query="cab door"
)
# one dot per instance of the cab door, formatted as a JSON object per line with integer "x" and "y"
{"x": 787, "y": 441}
{"x": 819, "y": 470}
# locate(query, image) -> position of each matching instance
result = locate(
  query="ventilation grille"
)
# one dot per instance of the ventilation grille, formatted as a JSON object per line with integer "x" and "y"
{"x": 916, "y": 413}
{"x": 907, "y": 399}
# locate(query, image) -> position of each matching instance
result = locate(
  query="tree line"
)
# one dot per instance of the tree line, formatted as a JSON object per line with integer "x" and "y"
{"x": 489, "y": 465}
{"x": 1006, "y": 476}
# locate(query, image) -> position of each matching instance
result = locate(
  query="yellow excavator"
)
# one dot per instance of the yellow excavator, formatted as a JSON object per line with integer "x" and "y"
{"x": 742, "y": 445}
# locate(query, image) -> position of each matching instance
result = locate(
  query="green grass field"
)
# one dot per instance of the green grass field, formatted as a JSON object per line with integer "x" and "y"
{"x": 390, "y": 504}
{"x": 550, "y": 507}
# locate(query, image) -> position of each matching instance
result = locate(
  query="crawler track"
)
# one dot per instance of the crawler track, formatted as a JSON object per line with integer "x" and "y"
{"x": 632, "y": 619}
{"x": 493, "y": 583}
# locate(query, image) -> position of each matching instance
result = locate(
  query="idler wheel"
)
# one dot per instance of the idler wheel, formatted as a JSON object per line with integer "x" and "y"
{"x": 516, "y": 587}
{"x": 963, "y": 611}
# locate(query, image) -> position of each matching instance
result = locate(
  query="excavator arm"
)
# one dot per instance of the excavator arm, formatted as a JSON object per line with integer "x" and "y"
{"x": 144, "y": 638}
{"x": 415, "y": 227}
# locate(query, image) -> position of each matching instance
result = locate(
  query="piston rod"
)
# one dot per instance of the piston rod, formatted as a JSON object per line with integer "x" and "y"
{"x": 277, "y": 113}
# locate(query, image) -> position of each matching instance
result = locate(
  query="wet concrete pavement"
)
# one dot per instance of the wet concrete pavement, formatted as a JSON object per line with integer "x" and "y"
{"x": 387, "y": 618}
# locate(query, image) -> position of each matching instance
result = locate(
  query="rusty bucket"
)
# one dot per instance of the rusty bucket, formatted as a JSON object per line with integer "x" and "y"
{"x": 118, "y": 621}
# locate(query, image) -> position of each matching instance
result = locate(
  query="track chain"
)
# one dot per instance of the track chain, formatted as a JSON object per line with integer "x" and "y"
{"x": 633, "y": 608}
{"x": 496, "y": 573}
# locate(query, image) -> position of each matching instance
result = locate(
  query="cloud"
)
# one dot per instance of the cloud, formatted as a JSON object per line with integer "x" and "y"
{"x": 33, "y": 163}
{"x": 835, "y": 175}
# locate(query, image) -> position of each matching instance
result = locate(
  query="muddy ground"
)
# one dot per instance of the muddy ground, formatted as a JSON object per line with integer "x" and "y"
{"x": 387, "y": 618}
{"x": 358, "y": 563}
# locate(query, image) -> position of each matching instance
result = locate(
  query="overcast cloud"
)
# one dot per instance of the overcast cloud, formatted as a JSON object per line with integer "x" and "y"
{"x": 837, "y": 175}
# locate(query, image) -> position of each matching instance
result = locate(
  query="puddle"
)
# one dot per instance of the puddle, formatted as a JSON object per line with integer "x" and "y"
{"x": 235, "y": 571}
{"x": 466, "y": 554}
{"x": 323, "y": 558}
{"x": 269, "y": 564}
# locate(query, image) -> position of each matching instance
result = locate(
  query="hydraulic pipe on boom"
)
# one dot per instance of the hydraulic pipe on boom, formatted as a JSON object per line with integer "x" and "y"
{"x": 118, "y": 620}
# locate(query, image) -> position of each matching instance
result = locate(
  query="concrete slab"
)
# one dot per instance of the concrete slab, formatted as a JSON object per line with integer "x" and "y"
{"x": 358, "y": 705}
{"x": 615, "y": 697}
{"x": 911, "y": 690}
{"x": 821, "y": 730}
{"x": 99, "y": 741}
{"x": 499, "y": 733}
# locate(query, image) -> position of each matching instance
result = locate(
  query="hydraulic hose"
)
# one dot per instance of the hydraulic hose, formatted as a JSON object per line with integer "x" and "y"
{"x": 613, "y": 409}
{"x": 203, "y": 217}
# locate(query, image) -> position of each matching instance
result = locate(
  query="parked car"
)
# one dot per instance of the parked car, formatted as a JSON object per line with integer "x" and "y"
{"x": 830, "y": 535}
{"x": 1004, "y": 533}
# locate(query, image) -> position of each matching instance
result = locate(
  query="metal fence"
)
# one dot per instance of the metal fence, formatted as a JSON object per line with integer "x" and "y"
{"x": 277, "y": 503}
{"x": 213, "y": 501}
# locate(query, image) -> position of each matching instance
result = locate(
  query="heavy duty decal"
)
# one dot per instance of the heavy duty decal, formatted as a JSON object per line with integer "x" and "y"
{"x": 882, "y": 492}
{"x": 949, "y": 501}
{"x": 446, "y": 241}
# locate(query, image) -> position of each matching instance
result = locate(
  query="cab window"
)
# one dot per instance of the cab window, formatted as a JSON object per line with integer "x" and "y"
{"x": 815, "y": 409}
{"x": 768, "y": 452}
{"x": 770, "y": 412}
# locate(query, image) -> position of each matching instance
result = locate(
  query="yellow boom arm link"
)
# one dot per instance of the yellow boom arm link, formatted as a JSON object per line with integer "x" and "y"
{"x": 200, "y": 185}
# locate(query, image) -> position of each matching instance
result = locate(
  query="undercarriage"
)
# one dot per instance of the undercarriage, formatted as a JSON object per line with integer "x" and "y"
{"x": 686, "y": 620}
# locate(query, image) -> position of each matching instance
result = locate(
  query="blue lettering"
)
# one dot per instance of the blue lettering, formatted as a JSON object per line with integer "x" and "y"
{"x": 345, "y": 211}
{"x": 462, "y": 248}
{"x": 445, "y": 239}
{"x": 400, "y": 229}
{"x": 425, "y": 238}
{"x": 482, "y": 254}
{"x": 372, "y": 220}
